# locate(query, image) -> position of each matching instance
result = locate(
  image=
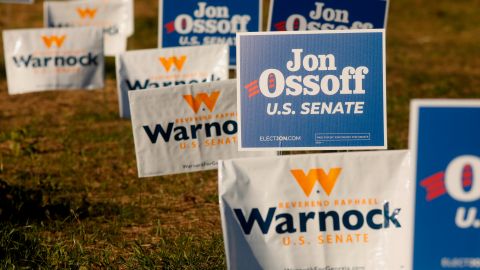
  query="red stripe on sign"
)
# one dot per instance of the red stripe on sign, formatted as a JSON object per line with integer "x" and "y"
{"x": 170, "y": 27}
{"x": 252, "y": 88}
{"x": 252, "y": 83}
{"x": 467, "y": 176}
{"x": 255, "y": 88}
{"x": 434, "y": 186}
{"x": 434, "y": 178}
{"x": 433, "y": 194}
{"x": 467, "y": 172}
{"x": 281, "y": 26}
{"x": 253, "y": 94}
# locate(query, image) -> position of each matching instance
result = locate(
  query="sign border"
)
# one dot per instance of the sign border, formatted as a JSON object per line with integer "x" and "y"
{"x": 160, "y": 27}
{"x": 328, "y": 148}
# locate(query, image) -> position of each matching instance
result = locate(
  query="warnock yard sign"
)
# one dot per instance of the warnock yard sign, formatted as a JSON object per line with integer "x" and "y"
{"x": 53, "y": 59}
{"x": 185, "y": 128}
{"x": 301, "y": 15}
{"x": 17, "y": 1}
{"x": 157, "y": 68}
{"x": 193, "y": 22}
{"x": 114, "y": 17}
{"x": 444, "y": 139}
{"x": 312, "y": 90}
{"x": 328, "y": 211}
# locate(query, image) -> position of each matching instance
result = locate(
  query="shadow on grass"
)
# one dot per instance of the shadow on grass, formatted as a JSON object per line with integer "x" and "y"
{"x": 24, "y": 210}
{"x": 26, "y": 214}
{"x": 20, "y": 247}
{"x": 20, "y": 205}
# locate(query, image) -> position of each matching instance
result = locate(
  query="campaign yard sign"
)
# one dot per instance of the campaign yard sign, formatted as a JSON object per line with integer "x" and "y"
{"x": 185, "y": 128}
{"x": 157, "y": 68}
{"x": 17, "y": 1}
{"x": 444, "y": 139}
{"x": 301, "y": 15}
{"x": 323, "y": 211}
{"x": 114, "y": 17}
{"x": 193, "y": 22}
{"x": 312, "y": 90}
{"x": 130, "y": 27}
{"x": 53, "y": 59}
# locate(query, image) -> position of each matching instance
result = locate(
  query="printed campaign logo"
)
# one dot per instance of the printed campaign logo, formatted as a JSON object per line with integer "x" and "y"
{"x": 54, "y": 40}
{"x": 308, "y": 180}
{"x": 447, "y": 151}
{"x": 185, "y": 128}
{"x": 60, "y": 60}
{"x": 158, "y": 68}
{"x": 112, "y": 16}
{"x": 286, "y": 15}
{"x": 53, "y": 59}
{"x": 206, "y": 125}
{"x": 86, "y": 13}
{"x": 457, "y": 181}
{"x": 168, "y": 62}
{"x": 195, "y": 102}
{"x": 341, "y": 220}
{"x": 187, "y": 23}
{"x": 323, "y": 90}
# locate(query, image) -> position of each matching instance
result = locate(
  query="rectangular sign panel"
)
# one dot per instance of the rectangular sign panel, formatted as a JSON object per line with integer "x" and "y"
{"x": 17, "y": 1}
{"x": 324, "y": 211}
{"x": 52, "y": 59}
{"x": 193, "y": 22}
{"x": 185, "y": 128}
{"x": 302, "y": 15}
{"x": 156, "y": 68}
{"x": 312, "y": 90}
{"x": 444, "y": 139}
{"x": 130, "y": 27}
{"x": 114, "y": 17}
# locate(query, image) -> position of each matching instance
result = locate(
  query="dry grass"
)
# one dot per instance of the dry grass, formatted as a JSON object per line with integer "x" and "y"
{"x": 69, "y": 167}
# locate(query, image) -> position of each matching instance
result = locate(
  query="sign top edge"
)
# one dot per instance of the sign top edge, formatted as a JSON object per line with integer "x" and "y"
{"x": 445, "y": 102}
{"x": 319, "y": 32}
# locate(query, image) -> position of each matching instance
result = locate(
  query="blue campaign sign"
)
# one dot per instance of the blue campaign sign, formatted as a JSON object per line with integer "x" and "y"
{"x": 301, "y": 15}
{"x": 193, "y": 22}
{"x": 444, "y": 140}
{"x": 312, "y": 90}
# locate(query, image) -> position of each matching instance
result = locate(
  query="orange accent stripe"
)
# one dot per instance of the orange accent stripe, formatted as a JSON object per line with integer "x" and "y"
{"x": 251, "y": 84}
{"x": 253, "y": 89}
{"x": 254, "y": 94}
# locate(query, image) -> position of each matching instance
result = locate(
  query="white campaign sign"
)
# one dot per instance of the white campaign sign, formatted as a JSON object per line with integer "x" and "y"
{"x": 185, "y": 128}
{"x": 156, "y": 68}
{"x": 114, "y": 17}
{"x": 50, "y": 59}
{"x": 322, "y": 211}
{"x": 17, "y": 1}
{"x": 130, "y": 19}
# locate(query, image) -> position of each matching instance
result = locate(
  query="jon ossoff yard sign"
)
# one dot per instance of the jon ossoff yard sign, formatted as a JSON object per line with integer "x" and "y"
{"x": 312, "y": 90}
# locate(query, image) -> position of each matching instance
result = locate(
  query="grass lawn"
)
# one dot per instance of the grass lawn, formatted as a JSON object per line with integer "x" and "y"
{"x": 69, "y": 192}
